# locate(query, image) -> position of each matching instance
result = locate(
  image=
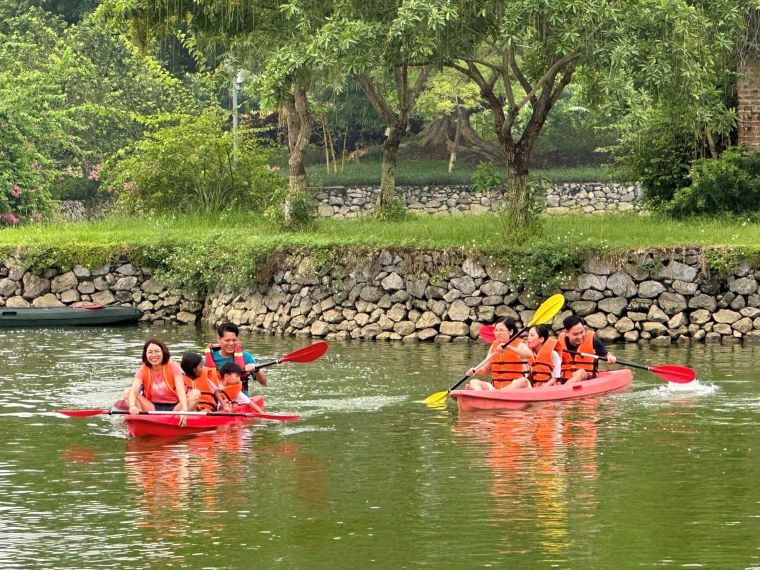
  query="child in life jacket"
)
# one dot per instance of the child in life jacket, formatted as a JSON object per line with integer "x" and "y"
{"x": 230, "y": 392}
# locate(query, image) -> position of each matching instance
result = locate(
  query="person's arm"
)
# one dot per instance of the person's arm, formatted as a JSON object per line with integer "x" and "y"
{"x": 133, "y": 391}
{"x": 602, "y": 352}
{"x": 181, "y": 390}
{"x": 250, "y": 367}
{"x": 521, "y": 350}
{"x": 556, "y": 372}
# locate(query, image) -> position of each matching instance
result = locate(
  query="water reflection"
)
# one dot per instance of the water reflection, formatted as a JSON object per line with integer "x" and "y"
{"x": 540, "y": 460}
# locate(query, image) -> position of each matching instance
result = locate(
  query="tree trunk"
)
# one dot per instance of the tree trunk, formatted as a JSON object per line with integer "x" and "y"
{"x": 519, "y": 201}
{"x": 299, "y": 130}
{"x": 386, "y": 198}
{"x": 457, "y": 136}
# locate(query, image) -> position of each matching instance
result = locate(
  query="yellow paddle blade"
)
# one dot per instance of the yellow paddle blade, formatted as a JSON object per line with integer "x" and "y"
{"x": 547, "y": 310}
{"x": 436, "y": 398}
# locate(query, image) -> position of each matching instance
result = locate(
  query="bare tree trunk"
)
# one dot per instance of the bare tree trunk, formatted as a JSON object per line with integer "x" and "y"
{"x": 298, "y": 122}
{"x": 519, "y": 201}
{"x": 457, "y": 136}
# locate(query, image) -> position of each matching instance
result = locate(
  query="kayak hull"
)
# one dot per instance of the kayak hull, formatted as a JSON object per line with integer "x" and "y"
{"x": 167, "y": 425}
{"x": 605, "y": 383}
{"x": 68, "y": 316}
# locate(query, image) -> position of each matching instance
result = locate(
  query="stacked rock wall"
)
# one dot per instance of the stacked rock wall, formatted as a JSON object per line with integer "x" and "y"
{"x": 119, "y": 284}
{"x": 650, "y": 297}
{"x": 341, "y": 202}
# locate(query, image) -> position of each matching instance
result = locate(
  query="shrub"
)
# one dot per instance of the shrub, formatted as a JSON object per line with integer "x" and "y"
{"x": 727, "y": 185}
{"x": 193, "y": 166}
{"x": 487, "y": 176}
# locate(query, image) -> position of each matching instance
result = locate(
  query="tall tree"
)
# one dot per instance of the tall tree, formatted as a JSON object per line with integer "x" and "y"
{"x": 389, "y": 48}
{"x": 530, "y": 50}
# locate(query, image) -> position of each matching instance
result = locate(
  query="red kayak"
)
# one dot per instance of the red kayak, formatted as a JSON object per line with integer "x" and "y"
{"x": 510, "y": 399}
{"x": 167, "y": 425}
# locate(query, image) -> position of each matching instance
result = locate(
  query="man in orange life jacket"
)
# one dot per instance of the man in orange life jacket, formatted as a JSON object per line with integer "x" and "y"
{"x": 575, "y": 340}
{"x": 229, "y": 349}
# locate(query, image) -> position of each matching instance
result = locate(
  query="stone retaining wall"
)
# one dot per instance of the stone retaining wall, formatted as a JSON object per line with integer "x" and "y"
{"x": 342, "y": 202}
{"x": 650, "y": 297}
{"x": 118, "y": 284}
{"x": 657, "y": 297}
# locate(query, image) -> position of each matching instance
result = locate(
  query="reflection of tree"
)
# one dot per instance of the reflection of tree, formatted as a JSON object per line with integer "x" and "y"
{"x": 542, "y": 462}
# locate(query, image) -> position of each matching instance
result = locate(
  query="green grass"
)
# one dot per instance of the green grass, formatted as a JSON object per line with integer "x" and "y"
{"x": 435, "y": 172}
{"x": 621, "y": 231}
{"x": 201, "y": 252}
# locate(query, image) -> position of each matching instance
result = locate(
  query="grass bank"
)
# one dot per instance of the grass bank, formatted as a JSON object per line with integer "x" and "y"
{"x": 199, "y": 251}
{"x": 435, "y": 172}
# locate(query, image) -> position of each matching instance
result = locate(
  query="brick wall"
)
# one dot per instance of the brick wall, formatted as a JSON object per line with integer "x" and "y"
{"x": 748, "y": 87}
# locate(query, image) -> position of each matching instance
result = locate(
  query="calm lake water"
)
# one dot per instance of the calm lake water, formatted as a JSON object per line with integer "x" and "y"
{"x": 658, "y": 476}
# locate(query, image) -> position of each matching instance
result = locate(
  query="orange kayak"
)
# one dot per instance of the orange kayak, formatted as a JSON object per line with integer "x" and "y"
{"x": 606, "y": 382}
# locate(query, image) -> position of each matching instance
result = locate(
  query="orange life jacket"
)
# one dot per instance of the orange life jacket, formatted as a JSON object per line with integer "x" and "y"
{"x": 505, "y": 365}
{"x": 541, "y": 365}
{"x": 147, "y": 380}
{"x": 207, "y": 402}
{"x": 573, "y": 362}
{"x": 237, "y": 357}
{"x": 229, "y": 392}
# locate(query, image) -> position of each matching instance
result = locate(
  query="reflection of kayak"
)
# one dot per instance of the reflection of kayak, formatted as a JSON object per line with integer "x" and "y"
{"x": 499, "y": 399}
{"x": 166, "y": 425}
{"x": 93, "y": 315}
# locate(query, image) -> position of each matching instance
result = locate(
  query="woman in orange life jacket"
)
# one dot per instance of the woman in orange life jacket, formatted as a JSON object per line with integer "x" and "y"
{"x": 159, "y": 384}
{"x": 506, "y": 364}
{"x": 545, "y": 361}
{"x": 576, "y": 339}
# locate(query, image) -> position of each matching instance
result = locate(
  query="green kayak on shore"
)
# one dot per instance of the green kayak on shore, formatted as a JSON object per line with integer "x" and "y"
{"x": 86, "y": 316}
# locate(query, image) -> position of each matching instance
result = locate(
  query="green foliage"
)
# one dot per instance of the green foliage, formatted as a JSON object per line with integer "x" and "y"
{"x": 393, "y": 212}
{"x": 487, "y": 176}
{"x": 193, "y": 166}
{"x": 727, "y": 185}
{"x": 656, "y": 151}
{"x": 301, "y": 210}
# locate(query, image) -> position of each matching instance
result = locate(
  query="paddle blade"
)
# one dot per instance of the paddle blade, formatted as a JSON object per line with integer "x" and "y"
{"x": 306, "y": 354}
{"x": 486, "y": 333}
{"x": 83, "y": 413}
{"x": 673, "y": 373}
{"x": 547, "y": 310}
{"x": 436, "y": 398}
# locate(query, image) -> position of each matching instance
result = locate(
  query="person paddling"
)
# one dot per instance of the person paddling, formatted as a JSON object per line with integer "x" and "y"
{"x": 545, "y": 362}
{"x": 159, "y": 384}
{"x": 507, "y": 363}
{"x": 229, "y": 349}
{"x": 575, "y": 340}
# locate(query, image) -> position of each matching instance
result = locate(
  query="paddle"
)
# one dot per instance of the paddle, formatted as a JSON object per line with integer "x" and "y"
{"x": 305, "y": 354}
{"x": 668, "y": 372}
{"x": 106, "y": 411}
{"x": 487, "y": 334}
{"x": 543, "y": 315}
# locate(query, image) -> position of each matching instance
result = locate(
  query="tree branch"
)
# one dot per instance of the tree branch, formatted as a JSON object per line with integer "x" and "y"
{"x": 380, "y": 104}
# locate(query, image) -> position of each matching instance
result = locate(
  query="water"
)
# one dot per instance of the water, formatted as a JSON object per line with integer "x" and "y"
{"x": 658, "y": 476}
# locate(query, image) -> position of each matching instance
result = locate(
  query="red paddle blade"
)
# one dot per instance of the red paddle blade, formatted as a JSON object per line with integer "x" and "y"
{"x": 487, "y": 334}
{"x": 82, "y": 413}
{"x": 673, "y": 373}
{"x": 306, "y": 354}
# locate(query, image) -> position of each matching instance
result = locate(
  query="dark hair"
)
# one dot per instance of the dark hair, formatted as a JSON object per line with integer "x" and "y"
{"x": 542, "y": 331}
{"x": 231, "y": 368}
{"x": 190, "y": 361}
{"x": 571, "y": 321}
{"x": 161, "y": 344}
{"x": 508, "y": 322}
{"x": 227, "y": 327}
